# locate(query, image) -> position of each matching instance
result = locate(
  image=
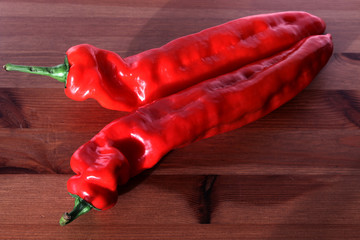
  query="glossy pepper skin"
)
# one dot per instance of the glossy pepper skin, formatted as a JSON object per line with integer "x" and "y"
{"x": 135, "y": 142}
{"x": 126, "y": 84}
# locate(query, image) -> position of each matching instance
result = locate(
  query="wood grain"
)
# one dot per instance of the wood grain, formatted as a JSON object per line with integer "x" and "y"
{"x": 294, "y": 174}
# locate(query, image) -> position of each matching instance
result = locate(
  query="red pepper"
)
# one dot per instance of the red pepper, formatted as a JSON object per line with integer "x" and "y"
{"x": 135, "y": 142}
{"x": 126, "y": 84}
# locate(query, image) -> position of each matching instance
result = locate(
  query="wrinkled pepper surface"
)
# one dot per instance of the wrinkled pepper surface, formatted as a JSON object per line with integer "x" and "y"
{"x": 125, "y": 84}
{"x": 137, "y": 141}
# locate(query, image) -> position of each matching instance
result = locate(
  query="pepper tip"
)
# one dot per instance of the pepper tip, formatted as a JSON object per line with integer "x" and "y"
{"x": 81, "y": 207}
{"x": 65, "y": 219}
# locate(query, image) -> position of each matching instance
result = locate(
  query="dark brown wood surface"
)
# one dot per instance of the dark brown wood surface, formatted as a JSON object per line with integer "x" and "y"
{"x": 295, "y": 174}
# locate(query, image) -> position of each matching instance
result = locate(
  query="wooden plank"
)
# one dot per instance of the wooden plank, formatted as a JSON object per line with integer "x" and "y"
{"x": 269, "y": 151}
{"x": 345, "y": 66}
{"x": 52, "y": 110}
{"x": 159, "y": 207}
{"x": 244, "y": 151}
{"x": 194, "y": 8}
{"x": 48, "y": 202}
{"x": 286, "y": 199}
{"x": 323, "y": 130}
{"x": 184, "y": 231}
{"x": 152, "y": 26}
{"x": 38, "y": 151}
{"x": 239, "y": 5}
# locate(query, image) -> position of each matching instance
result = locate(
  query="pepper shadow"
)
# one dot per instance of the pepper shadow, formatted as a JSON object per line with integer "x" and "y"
{"x": 173, "y": 20}
{"x": 135, "y": 181}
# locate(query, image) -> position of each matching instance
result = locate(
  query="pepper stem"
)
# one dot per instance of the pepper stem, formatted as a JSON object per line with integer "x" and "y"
{"x": 81, "y": 207}
{"x": 58, "y": 72}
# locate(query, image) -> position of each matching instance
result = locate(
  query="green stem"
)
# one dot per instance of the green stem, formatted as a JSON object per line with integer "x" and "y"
{"x": 81, "y": 207}
{"x": 58, "y": 72}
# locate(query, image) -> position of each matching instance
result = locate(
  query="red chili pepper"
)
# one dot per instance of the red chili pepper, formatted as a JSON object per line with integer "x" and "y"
{"x": 126, "y": 84}
{"x": 139, "y": 140}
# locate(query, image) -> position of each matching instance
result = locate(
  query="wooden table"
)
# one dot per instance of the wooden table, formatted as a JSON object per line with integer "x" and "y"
{"x": 295, "y": 174}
